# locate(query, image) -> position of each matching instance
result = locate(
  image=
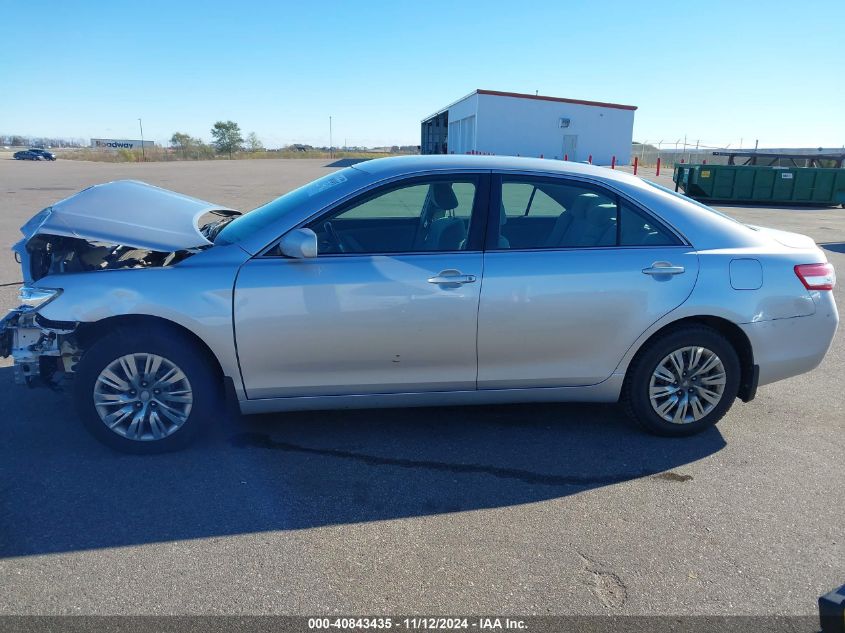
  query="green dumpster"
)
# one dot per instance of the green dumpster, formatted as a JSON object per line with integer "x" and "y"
{"x": 760, "y": 184}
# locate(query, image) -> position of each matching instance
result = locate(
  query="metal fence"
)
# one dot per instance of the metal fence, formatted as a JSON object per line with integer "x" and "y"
{"x": 647, "y": 156}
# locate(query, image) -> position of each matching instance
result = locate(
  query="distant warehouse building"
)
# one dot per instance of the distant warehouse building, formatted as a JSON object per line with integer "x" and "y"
{"x": 513, "y": 124}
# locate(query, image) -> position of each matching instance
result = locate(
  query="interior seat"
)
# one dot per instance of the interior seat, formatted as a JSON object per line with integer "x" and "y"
{"x": 586, "y": 223}
{"x": 446, "y": 232}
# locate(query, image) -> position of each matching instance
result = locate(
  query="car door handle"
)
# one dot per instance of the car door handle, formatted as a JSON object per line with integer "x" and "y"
{"x": 451, "y": 277}
{"x": 663, "y": 268}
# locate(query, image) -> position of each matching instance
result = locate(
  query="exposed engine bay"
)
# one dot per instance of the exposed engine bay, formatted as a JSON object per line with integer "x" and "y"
{"x": 57, "y": 254}
{"x": 53, "y": 255}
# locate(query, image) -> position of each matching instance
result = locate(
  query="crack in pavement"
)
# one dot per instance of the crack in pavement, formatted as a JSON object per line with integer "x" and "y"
{"x": 606, "y": 585}
{"x": 260, "y": 440}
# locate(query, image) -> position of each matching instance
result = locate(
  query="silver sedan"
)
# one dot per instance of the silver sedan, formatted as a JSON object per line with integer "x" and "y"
{"x": 411, "y": 281}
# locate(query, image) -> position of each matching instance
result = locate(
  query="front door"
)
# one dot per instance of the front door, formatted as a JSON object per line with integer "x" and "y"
{"x": 574, "y": 278}
{"x": 389, "y": 305}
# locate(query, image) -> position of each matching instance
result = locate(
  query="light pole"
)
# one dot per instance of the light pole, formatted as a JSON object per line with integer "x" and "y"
{"x": 143, "y": 153}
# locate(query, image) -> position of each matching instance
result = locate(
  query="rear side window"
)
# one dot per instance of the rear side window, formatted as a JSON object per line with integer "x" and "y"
{"x": 545, "y": 213}
{"x": 551, "y": 214}
{"x": 637, "y": 229}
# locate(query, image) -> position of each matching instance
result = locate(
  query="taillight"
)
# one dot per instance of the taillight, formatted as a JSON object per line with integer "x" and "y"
{"x": 816, "y": 276}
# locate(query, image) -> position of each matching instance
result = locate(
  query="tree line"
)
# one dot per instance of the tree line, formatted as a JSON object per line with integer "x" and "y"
{"x": 228, "y": 139}
{"x": 19, "y": 140}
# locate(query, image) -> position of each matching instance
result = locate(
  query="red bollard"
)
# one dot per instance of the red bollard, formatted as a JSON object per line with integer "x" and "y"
{"x": 566, "y": 157}
{"x": 682, "y": 161}
{"x": 590, "y": 159}
{"x": 636, "y": 162}
{"x": 613, "y": 162}
{"x": 657, "y": 173}
{"x": 704, "y": 162}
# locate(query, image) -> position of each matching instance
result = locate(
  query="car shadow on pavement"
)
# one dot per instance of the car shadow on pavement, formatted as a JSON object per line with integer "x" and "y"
{"x": 62, "y": 491}
{"x": 836, "y": 247}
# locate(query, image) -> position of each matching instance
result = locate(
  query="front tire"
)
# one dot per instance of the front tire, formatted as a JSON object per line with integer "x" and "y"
{"x": 145, "y": 393}
{"x": 682, "y": 383}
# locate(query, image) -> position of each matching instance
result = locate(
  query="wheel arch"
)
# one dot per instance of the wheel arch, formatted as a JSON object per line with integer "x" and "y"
{"x": 88, "y": 332}
{"x": 731, "y": 331}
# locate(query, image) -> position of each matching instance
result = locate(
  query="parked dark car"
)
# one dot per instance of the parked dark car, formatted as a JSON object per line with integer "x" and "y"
{"x": 34, "y": 154}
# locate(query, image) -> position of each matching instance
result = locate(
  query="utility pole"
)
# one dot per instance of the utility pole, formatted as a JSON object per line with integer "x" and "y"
{"x": 331, "y": 144}
{"x": 143, "y": 153}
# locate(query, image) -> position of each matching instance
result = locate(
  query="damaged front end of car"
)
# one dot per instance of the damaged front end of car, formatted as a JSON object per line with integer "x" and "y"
{"x": 115, "y": 226}
{"x": 44, "y": 351}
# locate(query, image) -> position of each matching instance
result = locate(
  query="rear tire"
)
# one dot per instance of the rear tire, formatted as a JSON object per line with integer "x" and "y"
{"x": 683, "y": 382}
{"x": 145, "y": 392}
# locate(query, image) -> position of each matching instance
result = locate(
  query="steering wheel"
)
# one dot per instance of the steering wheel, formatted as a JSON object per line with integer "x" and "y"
{"x": 334, "y": 237}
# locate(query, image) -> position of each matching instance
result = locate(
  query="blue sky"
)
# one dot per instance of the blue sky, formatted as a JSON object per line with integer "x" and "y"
{"x": 715, "y": 71}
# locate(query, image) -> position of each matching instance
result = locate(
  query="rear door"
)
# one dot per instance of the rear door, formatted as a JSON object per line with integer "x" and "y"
{"x": 389, "y": 304}
{"x": 568, "y": 291}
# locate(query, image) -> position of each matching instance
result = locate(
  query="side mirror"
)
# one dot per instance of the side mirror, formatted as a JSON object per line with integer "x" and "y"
{"x": 299, "y": 244}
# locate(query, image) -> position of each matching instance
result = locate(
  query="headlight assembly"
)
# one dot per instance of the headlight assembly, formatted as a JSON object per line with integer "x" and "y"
{"x": 33, "y": 298}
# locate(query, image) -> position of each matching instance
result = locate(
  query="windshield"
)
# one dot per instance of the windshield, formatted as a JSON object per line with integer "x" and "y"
{"x": 249, "y": 223}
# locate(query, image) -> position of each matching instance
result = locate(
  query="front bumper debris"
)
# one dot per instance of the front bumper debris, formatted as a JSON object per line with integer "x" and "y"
{"x": 43, "y": 354}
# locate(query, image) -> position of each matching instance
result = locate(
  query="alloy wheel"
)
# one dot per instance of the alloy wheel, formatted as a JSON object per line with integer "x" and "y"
{"x": 687, "y": 385}
{"x": 143, "y": 397}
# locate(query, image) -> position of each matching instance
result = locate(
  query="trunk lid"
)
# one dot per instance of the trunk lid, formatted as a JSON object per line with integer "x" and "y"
{"x": 786, "y": 238}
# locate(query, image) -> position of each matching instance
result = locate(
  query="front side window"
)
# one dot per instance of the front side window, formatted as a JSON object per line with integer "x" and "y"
{"x": 423, "y": 216}
{"x": 549, "y": 214}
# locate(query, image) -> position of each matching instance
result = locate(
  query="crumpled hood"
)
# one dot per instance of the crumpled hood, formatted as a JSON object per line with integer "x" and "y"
{"x": 129, "y": 213}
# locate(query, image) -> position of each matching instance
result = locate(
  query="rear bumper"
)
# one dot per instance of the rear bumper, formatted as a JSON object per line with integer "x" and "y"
{"x": 788, "y": 347}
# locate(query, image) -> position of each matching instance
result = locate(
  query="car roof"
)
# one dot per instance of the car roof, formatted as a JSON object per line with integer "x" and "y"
{"x": 399, "y": 165}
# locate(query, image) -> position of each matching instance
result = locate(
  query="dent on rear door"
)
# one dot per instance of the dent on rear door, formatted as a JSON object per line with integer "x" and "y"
{"x": 567, "y": 317}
